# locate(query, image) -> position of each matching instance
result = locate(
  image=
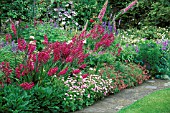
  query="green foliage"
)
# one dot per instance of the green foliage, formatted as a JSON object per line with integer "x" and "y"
{"x": 53, "y": 34}
{"x": 159, "y": 14}
{"x": 17, "y": 9}
{"x": 49, "y": 97}
{"x": 128, "y": 54}
{"x": 100, "y": 58}
{"x": 8, "y": 55}
{"x": 87, "y": 9}
{"x": 134, "y": 35}
{"x": 152, "y": 55}
{"x": 14, "y": 99}
{"x": 146, "y": 12}
{"x": 39, "y": 99}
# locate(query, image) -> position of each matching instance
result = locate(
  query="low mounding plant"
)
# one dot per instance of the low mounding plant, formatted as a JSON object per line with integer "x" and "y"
{"x": 154, "y": 56}
{"x": 47, "y": 98}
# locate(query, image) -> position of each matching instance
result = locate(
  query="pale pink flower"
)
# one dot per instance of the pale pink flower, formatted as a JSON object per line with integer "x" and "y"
{"x": 88, "y": 96}
{"x": 102, "y": 11}
{"x": 129, "y": 6}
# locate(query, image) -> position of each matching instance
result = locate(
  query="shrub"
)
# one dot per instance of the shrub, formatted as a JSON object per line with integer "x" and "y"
{"x": 8, "y": 53}
{"x": 49, "y": 29}
{"x": 147, "y": 12}
{"x": 154, "y": 56}
{"x": 14, "y": 99}
{"x": 47, "y": 98}
{"x": 159, "y": 14}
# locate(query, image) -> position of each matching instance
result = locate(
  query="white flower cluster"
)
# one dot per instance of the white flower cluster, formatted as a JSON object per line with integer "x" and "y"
{"x": 93, "y": 83}
{"x": 65, "y": 14}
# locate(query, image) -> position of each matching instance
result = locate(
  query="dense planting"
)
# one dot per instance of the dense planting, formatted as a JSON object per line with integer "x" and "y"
{"x": 56, "y": 65}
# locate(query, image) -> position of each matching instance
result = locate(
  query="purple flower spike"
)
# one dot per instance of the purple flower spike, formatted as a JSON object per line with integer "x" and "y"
{"x": 108, "y": 23}
{"x": 2, "y": 44}
{"x": 55, "y": 25}
{"x": 116, "y": 32}
{"x": 137, "y": 49}
{"x": 104, "y": 24}
{"x": 14, "y": 46}
{"x": 163, "y": 48}
{"x": 165, "y": 43}
{"x": 110, "y": 28}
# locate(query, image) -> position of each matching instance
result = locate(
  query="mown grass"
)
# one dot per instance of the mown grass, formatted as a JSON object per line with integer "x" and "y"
{"x": 156, "y": 102}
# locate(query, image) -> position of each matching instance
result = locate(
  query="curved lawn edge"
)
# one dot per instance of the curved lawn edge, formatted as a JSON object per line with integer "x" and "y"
{"x": 156, "y": 102}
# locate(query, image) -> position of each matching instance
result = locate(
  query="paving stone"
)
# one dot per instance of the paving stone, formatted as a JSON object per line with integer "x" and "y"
{"x": 151, "y": 87}
{"x": 167, "y": 84}
{"x": 151, "y": 81}
{"x": 114, "y": 103}
{"x": 119, "y": 107}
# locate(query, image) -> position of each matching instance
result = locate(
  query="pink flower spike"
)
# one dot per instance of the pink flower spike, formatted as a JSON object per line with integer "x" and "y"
{"x": 26, "y": 85}
{"x": 129, "y": 6}
{"x": 76, "y": 71}
{"x": 102, "y": 12}
{"x": 119, "y": 50}
{"x": 45, "y": 40}
{"x": 84, "y": 76}
{"x": 83, "y": 66}
{"x": 22, "y": 44}
{"x": 69, "y": 59}
{"x": 13, "y": 28}
{"x": 52, "y": 71}
{"x": 64, "y": 71}
{"x": 8, "y": 37}
{"x": 31, "y": 47}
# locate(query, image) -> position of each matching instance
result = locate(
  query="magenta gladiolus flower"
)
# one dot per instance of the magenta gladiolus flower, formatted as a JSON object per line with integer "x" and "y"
{"x": 4, "y": 66}
{"x": 84, "y": 75}
{"x": 26, "y": 85}
{"x": 69, "y": 59}
{"x": 8, "y": 37}
{"x": 119, "y": 50}
{"x": 31, "y": 65}
{"x": 45, "y": 40}
{"x": 52, "y": 71}
{"x": 76, "y": 71}
{"x": 43, "y": 56}
{"x": 64, "y": 71}
{"x": 31, "y": 48}
{"x": 91, "y": 20}
{"x": 83, "y": 66}
{"x": 17, "y": 72}
{"x": 22, "y": 44}
{"x": 13, "y": 28}
{"x": 8, "y": 80}
{"x": 32, "y": 57}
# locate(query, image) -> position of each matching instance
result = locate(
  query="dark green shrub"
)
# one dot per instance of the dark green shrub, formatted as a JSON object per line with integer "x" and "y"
{"x": 154, "y": 56}
{"x": 53, "y": 34}
{"x": 159, "y": 14}
{"x": 146, "y": 12}
{"x": 8, "y": 54}
{"x": 47, "y": 98}
{"x": 14, "y": 100}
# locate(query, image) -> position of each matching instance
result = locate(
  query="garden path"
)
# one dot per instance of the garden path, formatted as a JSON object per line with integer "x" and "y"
{"x": 114, "y": 103}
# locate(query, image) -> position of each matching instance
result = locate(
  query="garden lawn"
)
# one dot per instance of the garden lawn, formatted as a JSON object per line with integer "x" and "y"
{"x": 157, "y": 102}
